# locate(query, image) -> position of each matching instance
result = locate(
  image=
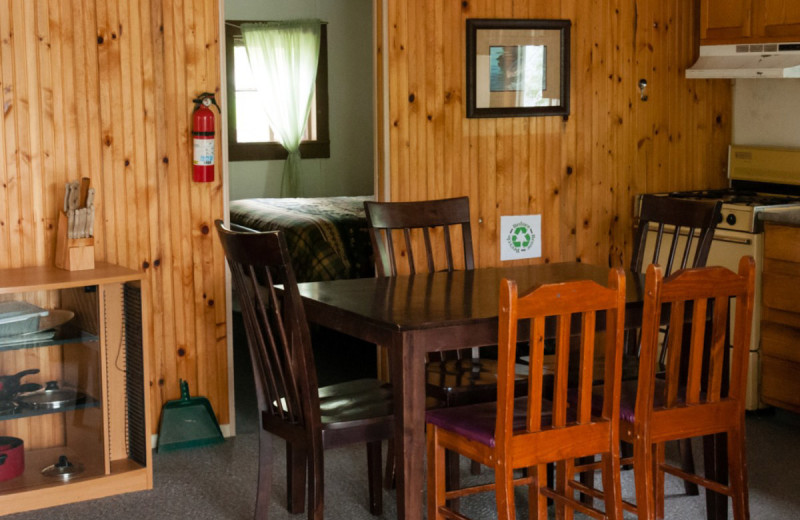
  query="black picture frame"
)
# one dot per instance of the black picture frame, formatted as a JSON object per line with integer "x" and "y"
{"x": 518, "y": 67}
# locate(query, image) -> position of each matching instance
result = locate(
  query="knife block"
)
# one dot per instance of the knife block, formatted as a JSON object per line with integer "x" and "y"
{"x": 72, "y": 254}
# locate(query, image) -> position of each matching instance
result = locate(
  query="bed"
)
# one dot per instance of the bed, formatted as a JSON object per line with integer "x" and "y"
{"x": 327, "y": 236}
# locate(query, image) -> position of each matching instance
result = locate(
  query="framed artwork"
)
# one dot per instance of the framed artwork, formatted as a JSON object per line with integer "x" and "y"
{"x": 517, "y": 67}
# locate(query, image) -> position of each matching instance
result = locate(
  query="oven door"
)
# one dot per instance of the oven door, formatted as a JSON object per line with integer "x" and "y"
{"x": 727, "y": 248}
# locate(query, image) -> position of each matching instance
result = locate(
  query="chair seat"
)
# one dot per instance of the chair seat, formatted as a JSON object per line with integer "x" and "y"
{"x": 627, "y": 406}
{"x": 354, "y": 401}
{"x": 476, "y": 422}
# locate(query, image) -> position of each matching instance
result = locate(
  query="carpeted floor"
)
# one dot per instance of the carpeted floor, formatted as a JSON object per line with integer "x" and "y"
{"x": 218, "y": 482}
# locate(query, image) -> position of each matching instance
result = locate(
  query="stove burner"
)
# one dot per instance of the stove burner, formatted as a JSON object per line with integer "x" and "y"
{"x": 733, "y": 196}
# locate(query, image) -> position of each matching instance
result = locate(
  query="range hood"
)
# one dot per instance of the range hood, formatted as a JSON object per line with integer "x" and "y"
{"x": 762, "y": 60}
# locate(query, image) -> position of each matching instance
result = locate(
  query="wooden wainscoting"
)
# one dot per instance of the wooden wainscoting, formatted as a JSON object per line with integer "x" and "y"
{"x": 582, "y": 174}
{"x": 103, "y": 89}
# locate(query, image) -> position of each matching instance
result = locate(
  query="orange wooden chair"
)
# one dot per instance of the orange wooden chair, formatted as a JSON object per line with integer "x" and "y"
{"x": 674, "y": 233}
{"x": 531, "y": 431}
{"x": 694, "y": 397}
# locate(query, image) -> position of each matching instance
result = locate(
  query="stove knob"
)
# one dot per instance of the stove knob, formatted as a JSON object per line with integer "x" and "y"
{"x": 719, "y": 218}
{"x": 731, "y": 219}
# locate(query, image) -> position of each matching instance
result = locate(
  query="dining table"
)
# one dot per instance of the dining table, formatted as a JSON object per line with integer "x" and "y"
{"x": 413, "y": 315}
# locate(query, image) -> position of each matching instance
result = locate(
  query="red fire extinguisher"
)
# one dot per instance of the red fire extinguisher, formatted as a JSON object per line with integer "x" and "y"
{"x": 203, "y": 137}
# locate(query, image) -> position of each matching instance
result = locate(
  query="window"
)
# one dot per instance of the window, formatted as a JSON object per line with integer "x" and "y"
{"x": 249, "y": 138}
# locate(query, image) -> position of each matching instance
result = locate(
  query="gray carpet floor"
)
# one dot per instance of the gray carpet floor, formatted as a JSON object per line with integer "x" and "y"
{"x": 218, "y": 482}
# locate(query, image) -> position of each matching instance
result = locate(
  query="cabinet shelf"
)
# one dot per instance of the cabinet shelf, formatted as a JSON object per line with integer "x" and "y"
{"x": 88, "y": 402}
{"x": 57, "y": 339}
{"x": 100, "y": 352}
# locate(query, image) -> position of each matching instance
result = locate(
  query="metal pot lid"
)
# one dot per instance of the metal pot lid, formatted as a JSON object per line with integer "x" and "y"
{"x": 63, "y": 469}
{"x": 7, "y": 407}
{"x": 51, "y": 397}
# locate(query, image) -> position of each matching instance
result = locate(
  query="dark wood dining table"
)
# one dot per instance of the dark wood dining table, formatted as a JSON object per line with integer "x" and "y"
{"x": 417, "y": 314}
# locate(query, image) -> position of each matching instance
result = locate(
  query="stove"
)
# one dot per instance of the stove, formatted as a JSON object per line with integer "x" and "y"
{"x": 740, "y": 207}
{"x": 761, "y": 180}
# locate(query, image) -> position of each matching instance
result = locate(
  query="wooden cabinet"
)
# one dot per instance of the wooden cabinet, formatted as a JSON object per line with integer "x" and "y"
{"x": 780, "y": 317}
{"x": 777, "y": 20}
{"x": 103, "y": 425}
{"x": 749, "y": 21}
{"x": 725, "y": 20}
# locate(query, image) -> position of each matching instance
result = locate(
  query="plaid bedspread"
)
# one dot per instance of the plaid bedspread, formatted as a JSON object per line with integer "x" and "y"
{"x": 327, "y": 237}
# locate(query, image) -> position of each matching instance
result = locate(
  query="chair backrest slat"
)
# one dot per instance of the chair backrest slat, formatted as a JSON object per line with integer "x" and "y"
{"x": 536, "y": 363}
{"x": 586, "y": 374}
{"x": 718, "y": 345}
{"x": 696, "y": 347}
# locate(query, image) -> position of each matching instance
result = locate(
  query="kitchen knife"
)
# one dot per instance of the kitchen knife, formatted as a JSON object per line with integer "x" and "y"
{"x": 90, "y": 222}
{"x": 70, "y": 223}
{"x": 90, "y": 197}
{"x": 80, "y": 223}
{"x": 74, "y": 195}
{"x": 67, "y": 188}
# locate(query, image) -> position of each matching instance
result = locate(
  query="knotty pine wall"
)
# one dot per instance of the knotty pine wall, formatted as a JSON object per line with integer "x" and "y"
{"x": 580, "y": 175}
{"x": 103, "y": 88}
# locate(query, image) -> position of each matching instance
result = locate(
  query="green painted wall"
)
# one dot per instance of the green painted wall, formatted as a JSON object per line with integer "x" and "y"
{"x": 350, "y": 168}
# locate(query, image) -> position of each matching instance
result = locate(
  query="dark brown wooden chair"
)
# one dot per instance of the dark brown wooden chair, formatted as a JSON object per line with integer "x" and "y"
{"x": 683, "y": 231}
{"x": 292, "y": 407}
{"x": 690, "y": 400}
{"x": 435, "y": 235}
{"x": 531, "y": 431}
{"x": 425, "y": 237}
{"x": 675, "y": 234}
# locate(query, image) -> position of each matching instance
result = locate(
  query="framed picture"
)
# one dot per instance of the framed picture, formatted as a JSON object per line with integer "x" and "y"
{"x": 517, "y": 67}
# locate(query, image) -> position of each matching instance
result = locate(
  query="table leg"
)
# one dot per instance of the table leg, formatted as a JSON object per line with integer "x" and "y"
{"x": 408, "y": 378}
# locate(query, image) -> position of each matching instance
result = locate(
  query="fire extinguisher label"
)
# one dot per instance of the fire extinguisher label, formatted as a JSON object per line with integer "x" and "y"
{"x": 204, "y": 152}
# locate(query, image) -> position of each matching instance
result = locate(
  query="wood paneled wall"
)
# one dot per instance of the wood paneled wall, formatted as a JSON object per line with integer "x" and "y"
{"x": 104, "y": 89}
{"x": 580, "y": 175}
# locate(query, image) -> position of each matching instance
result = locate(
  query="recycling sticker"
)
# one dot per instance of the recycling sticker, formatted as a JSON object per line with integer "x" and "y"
{"x": 520, "y": 237}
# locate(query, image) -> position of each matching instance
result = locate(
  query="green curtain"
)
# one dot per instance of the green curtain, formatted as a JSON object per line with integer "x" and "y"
{"x": 283, "y": 57}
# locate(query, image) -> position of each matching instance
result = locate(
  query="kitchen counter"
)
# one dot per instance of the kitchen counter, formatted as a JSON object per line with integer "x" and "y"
{"x": 790, "y": 217}
{"x": 780, "y": 312}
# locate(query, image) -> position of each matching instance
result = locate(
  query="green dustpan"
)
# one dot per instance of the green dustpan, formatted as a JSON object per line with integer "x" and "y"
{"x": 187, "y": 422}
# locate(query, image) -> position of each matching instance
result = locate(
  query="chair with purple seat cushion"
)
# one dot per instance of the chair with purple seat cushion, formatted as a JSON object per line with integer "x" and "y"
{"x": 693, "y": 401}
{"x": 532, "y": 431}
{"x": 675, "y": 234}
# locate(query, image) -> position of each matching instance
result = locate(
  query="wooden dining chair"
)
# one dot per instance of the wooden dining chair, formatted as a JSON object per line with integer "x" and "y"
{"x": 434, "y": 235}
{"x": 683, "y": 230}
{"x": 675, "y": 234}
{"x": 292, "y": 407}
{"x": 425, "y": 237}
{"x": 691, "y": 399}
{"x": 531, "y": 431}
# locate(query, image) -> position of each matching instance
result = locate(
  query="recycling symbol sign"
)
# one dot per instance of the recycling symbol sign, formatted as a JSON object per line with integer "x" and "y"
{"x": 520, "y": 237}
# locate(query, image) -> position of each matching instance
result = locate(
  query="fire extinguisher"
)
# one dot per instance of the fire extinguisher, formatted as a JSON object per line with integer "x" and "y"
{"x": 203, "y": 137}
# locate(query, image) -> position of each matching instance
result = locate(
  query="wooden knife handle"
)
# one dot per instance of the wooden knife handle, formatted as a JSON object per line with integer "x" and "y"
{"x": 85, "y": 183}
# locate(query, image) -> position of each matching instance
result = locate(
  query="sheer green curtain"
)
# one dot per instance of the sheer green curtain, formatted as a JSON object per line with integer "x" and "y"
{"x": 283, "y": 57}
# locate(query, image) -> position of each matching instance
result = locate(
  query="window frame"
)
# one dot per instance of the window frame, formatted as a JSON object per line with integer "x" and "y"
{"x": 272, "y": 150}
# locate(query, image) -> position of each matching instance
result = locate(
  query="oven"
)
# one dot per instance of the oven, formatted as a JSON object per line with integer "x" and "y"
{"x": 761, "y": 180}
